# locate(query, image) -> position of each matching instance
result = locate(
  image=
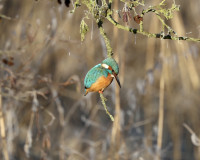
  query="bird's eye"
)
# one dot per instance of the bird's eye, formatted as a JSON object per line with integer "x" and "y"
{"x": 112, "y": 70}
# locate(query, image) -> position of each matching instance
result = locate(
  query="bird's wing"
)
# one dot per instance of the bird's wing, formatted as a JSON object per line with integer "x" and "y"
{"x": 93, "y": 74}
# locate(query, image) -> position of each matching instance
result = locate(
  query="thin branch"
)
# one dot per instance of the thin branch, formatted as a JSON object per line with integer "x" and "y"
{"x": 103, "y": 99}
{"x": 51, "y": 120}
{"x": 107, "y": 41}
{"x": 159, "y": 17}
{"x": 60, "y": 108}
{"x": 150, "y": 35}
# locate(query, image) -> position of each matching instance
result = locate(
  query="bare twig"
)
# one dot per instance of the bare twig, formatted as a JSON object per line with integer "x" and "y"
{"x": 59, "y": 106}
{"x": 52, "y": 118}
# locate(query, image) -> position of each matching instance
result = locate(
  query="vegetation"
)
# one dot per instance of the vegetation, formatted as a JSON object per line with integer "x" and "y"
{"x": 47, "y": 47}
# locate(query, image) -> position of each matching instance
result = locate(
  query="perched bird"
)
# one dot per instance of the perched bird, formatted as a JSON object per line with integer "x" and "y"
{"x": 100, "y": 76}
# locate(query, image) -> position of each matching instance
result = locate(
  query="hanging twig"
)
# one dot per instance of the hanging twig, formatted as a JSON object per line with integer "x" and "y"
{"x": 103, "y": 99}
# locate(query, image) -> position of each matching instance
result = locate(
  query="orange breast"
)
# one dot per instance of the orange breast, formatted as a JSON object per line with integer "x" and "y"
{"x": 101, "y": 83}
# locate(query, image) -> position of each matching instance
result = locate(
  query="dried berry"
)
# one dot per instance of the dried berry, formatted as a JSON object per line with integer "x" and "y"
{"x": 138, "y": 19}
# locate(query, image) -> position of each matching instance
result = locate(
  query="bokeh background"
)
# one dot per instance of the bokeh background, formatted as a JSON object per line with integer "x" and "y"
{"x": 43, "y": 113}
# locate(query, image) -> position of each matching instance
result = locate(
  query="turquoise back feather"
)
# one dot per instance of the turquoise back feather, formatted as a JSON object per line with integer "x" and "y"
{"x": 93, "y": 74}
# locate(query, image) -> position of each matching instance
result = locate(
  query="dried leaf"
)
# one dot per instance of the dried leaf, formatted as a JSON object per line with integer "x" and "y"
{"x": 8, "y": 61}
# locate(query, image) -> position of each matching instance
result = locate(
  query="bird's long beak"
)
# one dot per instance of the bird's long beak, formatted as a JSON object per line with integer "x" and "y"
{"x": 117, "y": 79}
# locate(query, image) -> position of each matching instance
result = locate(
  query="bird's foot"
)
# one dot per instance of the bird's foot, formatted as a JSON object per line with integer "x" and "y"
{"x": 100, "y": 92}
{"x": 101, "y": 95}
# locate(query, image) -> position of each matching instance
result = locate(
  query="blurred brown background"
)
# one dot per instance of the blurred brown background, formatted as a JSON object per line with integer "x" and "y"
{"x": 42, "y": 69}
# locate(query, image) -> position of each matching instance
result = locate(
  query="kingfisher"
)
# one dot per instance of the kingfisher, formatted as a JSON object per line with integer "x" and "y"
{"x": 101, "y": 76}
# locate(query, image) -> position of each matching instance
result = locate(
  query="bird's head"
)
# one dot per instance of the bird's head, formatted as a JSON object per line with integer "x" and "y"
{"x": 112, "y": 67}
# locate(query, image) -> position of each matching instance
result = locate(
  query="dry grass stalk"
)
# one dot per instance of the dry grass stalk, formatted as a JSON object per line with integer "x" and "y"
{"x": 3, "y": 130}
{"x": 161, "y": 105}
